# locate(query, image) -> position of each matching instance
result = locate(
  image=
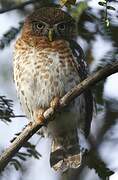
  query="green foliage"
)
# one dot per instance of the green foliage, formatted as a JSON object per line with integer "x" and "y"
{"x": 93, "y": 161}
{"x": 111, "y": 8}
{"x": 28, "y": 150}
{"x": 6, "y": 110}
{"x": 67, "y": 3}
{"x": 104, "y": 3}
{"x": 79, "y": 9}
{"x": 9, "y": 36}
{"x": 16, "y": 164}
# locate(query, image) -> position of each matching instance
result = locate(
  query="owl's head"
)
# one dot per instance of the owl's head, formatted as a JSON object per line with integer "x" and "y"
{"x": 51, "y": 22}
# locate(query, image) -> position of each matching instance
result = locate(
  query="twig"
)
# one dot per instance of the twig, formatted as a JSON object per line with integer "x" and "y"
{"x": 14, "y": 116}
{"x": 19, "y": 6}
{"x": 33, "y": 127}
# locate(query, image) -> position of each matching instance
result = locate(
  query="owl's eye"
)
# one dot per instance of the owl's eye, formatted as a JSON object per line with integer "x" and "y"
{"x": 39, "y": 26}
{"x": 61, "y": 26}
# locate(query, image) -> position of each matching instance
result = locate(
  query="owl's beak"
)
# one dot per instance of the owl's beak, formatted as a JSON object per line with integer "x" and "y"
{"x": 50, "y": 35}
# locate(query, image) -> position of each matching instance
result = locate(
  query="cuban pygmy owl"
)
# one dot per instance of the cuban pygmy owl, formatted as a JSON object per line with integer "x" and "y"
{"x": 47, "y": 64}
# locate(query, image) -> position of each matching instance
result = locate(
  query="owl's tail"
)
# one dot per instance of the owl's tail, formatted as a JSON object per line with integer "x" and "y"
{"x": 62, "y": 159}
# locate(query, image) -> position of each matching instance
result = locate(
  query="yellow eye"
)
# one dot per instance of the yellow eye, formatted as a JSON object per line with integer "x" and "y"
{"x": 61, "y": 26}
{"x": 39, "y": 26}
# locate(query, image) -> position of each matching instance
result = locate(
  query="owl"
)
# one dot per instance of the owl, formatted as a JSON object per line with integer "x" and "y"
{"x": 47, "y": 64}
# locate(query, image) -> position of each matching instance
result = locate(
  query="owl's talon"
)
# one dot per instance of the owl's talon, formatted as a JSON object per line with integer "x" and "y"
{"x": 40, "y": 119}
{"x": 55, "y": 102}
{"x": 39, "y": 116}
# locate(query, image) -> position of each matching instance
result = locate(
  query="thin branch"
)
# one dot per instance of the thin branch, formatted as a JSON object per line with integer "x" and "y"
{"x": 19, "y": 6}
{"x": 14, "y": 116}
{"x": 33, "y": 127}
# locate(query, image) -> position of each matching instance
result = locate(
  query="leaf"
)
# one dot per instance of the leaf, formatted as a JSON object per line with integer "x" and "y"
{"x": 102, "y": 3}
{"x": 94, "y": 162}
{"x": 16, "y": 164}
{"x": 107, "y": 22}
{"x": 9, "y": 36}
{"x": 30, "y": 151}
{"x": 80, "y": 8}
{"x": 6, "y": 110}
{"x": 21, "y": 156}
{"x": 28, "y": 145}
{"x": 34, "y": 153}
{"x": 63, "y": 2}
{"x": 67, "y": 2}
{"x": 111, "y": 8}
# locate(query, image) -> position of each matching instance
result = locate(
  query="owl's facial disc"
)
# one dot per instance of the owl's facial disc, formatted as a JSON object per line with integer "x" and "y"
{"x": 52, "y": 23}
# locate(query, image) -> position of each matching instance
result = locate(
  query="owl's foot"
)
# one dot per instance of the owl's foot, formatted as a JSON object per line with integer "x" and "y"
{"x": 39, "y": 116}
{"x": 55, "y": 102}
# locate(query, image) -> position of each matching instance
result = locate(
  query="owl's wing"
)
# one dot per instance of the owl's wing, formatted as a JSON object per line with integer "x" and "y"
{"x": 82, "y": 69}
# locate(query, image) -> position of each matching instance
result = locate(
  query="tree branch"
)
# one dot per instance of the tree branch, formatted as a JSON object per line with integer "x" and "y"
{"x": 33, "y": 127}
{"x": 19, "y": 6}
{"x": 12, "y": 116}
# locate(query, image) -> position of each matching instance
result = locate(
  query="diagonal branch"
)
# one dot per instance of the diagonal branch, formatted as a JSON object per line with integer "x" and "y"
{"x": 18, "y": 6}
{"x": 33, "y": 127}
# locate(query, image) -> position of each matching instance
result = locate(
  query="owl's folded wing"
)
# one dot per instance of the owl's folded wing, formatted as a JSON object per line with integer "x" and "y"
{"x": 82, "y": 69}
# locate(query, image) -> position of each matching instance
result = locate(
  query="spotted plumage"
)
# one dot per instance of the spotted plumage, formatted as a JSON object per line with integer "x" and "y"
{"x": 47, "y": 64}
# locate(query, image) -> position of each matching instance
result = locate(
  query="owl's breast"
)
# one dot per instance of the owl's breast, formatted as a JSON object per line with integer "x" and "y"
{"x": 43, "y": 73}
{"x": 55, "y": 73}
